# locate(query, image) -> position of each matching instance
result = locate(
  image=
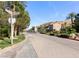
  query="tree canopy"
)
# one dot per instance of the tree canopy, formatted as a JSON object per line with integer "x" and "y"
{"x": 76, "y": 22}
{"x": 22, "y": 20}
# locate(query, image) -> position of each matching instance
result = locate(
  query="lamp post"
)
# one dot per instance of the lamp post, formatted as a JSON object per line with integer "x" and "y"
{"x": 12, "y": 21}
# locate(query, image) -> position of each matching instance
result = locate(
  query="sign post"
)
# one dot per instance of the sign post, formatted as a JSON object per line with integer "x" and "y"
{"x": 12, "y": 21}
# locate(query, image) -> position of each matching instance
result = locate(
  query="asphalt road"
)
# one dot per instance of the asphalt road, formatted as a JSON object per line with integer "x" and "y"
{"x": 44, "y": 46}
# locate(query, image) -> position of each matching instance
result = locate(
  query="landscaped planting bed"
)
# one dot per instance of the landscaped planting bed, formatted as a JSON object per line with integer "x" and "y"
{"x": 7, "y": 42}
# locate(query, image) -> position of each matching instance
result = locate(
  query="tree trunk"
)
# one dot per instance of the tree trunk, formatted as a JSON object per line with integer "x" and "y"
{"x": 15, "y": 33}
{"x": 72, "y": 22}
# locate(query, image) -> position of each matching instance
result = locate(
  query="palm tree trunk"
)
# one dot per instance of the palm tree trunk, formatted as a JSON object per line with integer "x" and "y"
{"x": 72, "y": 21}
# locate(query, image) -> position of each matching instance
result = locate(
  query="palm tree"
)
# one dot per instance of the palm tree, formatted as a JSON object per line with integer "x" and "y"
{"x": 71, "y": 16}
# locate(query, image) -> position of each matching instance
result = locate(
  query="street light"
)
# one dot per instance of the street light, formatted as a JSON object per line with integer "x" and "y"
{"x": 12, "y": 21}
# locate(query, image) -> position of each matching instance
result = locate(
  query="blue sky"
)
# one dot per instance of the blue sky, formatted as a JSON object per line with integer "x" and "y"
{"x": 45, "y": 11}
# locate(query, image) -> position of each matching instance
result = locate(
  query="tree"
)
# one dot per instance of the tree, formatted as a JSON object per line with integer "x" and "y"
{"x": 23, "y": 19}
{"x": 3, "y": 21}
{"x": 71, "y": 16}
{"x": 76, "y": 23}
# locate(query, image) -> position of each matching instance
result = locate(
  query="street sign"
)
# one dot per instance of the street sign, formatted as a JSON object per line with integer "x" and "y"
{"x": 11, "y": 20}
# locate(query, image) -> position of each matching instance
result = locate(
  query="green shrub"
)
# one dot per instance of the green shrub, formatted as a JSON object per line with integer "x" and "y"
{"x": 4, "y": 30}
{"x": 67, "y": 31}
{"x": 42, "y": 30}
{"x": 70, "y": 30}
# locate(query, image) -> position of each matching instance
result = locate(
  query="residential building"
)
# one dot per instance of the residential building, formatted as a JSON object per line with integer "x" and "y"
{"x": 58, "y": 24}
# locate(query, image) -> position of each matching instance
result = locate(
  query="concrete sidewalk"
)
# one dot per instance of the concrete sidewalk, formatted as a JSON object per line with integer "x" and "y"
{"x": 27, "y": 51}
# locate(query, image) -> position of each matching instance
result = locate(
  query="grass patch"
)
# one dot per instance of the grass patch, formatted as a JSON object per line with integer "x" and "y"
{"x": 7, "y": 42}
{"x": 19, "y": 38}
{"x": 4, "y": 43}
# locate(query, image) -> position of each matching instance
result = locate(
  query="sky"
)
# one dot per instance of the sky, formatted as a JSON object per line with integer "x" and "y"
{"x": 46, "y": 11}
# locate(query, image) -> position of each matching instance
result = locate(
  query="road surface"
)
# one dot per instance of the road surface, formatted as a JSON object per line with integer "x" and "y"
{"x": 44, "y": 46}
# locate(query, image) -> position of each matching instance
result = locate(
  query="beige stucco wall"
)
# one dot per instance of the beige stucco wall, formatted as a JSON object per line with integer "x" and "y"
{"x": 57, "y": 26}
